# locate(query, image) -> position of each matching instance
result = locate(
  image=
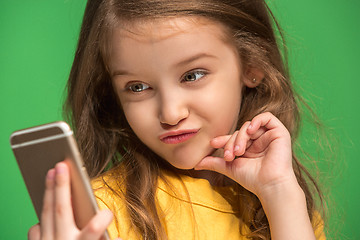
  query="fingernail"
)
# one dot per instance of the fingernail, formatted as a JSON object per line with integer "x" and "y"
{"x": 250, "y": 126}
{"x": 59, "y": 169}
{"x": 227, "y": 153}
{"x": 51, "y": 174}
{"x": 236, "y": 148}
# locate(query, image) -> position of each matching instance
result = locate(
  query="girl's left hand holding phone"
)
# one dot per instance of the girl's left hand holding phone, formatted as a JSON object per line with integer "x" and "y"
{"x": 258, "y": 156}
{"x": 57, "y": 219}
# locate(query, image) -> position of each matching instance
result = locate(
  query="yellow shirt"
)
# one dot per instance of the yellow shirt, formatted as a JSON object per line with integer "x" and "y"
{"x": 194, "y": 210}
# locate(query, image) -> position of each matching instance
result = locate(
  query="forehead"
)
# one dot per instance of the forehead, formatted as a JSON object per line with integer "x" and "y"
{"x": 154, "y": 30}
{"x": 165, "y": 43}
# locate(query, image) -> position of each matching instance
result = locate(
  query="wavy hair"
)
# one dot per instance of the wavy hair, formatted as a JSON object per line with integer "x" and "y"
{"x": 103, "y": 134}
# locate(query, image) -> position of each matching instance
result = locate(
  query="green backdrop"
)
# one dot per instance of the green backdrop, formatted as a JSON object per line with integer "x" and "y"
{"x": 37, "y": 43}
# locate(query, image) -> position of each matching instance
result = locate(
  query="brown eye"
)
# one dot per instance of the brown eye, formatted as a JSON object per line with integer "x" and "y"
{"x": 138, "y": 87}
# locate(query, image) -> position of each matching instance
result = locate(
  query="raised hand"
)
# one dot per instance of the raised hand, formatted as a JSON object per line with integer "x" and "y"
{"x": 57, "y": 219}
{"x": 258, "y": 156}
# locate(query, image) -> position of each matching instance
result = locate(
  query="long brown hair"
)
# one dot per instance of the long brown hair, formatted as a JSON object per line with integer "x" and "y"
{"x": 103, "y": 134}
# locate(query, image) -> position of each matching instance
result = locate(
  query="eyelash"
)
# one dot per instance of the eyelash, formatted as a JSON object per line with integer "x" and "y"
{"x": 134, "y": 87}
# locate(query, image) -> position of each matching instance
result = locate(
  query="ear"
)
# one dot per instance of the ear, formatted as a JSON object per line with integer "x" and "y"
{"x": 253, "y": 77}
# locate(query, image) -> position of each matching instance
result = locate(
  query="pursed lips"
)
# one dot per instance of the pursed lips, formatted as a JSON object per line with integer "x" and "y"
{"x": 178, "y": 136}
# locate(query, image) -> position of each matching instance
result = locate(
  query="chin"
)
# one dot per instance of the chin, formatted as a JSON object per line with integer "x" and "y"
{"x": 186, "y": 157}
{"x": 183, "y": 165}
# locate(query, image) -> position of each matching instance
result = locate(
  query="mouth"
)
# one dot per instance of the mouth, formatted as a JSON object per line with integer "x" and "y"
{"x": 175, "y": 137}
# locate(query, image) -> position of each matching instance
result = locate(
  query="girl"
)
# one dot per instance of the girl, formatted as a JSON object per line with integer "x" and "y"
{"x": 190, "y": 105}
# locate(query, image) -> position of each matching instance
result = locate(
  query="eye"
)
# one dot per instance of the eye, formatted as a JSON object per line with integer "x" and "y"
{"x": 193, "y": 76}
{"x": 137, "y": 87}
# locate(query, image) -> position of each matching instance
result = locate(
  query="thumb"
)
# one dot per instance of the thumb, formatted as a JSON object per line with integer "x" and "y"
{"x": 216, "y": 164}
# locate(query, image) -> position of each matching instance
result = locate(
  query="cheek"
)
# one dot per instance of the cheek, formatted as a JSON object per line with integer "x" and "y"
{"x": 227, "y": 113}
{"x": 223, "y": 101}
{"x": 139, "y": 117}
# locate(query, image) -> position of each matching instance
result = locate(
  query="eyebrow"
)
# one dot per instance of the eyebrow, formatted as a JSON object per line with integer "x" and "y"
{"x": 195, "y": 58}
{"x": 120, "y": 73}
{"x": 180, "y": 63}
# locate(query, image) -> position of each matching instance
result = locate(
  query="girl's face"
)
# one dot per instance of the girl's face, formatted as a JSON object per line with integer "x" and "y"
{"x": 179, "y": 84}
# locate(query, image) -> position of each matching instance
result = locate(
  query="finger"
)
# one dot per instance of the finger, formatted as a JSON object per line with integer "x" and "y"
{"x": 267, "y": 120}
{"x": 34, "y": 232}
{"x": 63, "y": 207}
{"x": 258, "y": 134}
{"x": 260, "y": 144}
{"x": 216, "y": 164}
{"x": 220, "y": 141}
{"x": 97, "y": 225}
{"x": 242, "y": 140}
{"x": 47, "y": 214}
{"x": 229, "y": 147}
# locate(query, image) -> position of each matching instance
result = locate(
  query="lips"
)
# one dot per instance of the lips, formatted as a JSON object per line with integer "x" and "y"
{"x": 179, "y": 136}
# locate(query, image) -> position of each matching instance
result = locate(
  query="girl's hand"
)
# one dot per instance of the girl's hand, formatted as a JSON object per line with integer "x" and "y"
{"x": 57, "y": 219}
{"x": 258, "y": 156}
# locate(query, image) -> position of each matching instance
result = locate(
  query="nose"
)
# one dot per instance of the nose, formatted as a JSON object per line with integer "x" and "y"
{"x": 173, "y": 108}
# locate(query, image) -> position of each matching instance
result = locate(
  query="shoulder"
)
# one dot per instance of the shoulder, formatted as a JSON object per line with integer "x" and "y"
{"x": 109, "y": 185}
{"x": 108, "y": 189}
{"x": 318, "y": 226}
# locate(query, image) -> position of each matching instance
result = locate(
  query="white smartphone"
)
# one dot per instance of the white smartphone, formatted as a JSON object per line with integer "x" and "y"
{"x": 37, "y": 150}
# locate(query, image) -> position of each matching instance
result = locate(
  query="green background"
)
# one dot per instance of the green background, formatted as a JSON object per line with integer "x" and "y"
{"x": 37, "y": 43}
